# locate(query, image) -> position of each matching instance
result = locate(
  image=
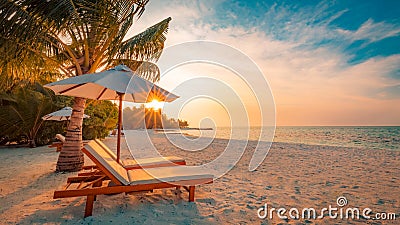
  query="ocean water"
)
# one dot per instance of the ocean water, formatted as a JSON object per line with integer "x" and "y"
{"x": 385, "y": 137}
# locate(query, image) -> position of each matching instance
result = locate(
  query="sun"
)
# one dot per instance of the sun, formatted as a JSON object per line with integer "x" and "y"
{"x": 155, "y": 104}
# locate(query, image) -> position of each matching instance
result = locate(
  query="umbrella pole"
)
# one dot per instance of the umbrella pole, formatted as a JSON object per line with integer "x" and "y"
{"x": 121, "y": 95}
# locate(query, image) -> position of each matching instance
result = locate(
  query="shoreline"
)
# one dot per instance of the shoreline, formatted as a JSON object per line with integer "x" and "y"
{"x": 283, "y": 142}
{"x": 225, "y": 139}
{"x": 358, "y": 137}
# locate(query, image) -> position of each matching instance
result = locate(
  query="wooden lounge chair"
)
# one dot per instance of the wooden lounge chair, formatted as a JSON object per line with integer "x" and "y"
{"x": 131, "y": 164}
{"x": 58, "y": 145}
{"x": 114, "y": 132}
{"x": 127, "y": 181}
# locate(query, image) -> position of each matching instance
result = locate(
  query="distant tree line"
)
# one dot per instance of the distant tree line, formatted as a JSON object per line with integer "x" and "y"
{"x": 148, "y": 118}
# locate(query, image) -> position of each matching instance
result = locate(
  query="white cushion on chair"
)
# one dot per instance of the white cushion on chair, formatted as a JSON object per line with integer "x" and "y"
{"x": 108, "y": 162}
{"x": 166, "y": 174}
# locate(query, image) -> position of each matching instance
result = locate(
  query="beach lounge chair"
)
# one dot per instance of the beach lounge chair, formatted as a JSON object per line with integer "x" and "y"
{"x": 58, "y": 145}
{"x": 127, "y": 181}
{"x": 114, "y": 132}
{"x": 131, "y": 164}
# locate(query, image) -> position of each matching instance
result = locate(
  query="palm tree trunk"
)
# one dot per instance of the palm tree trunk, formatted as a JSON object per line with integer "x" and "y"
{"x": 32, "y": 143}
{"x": 71, "y": 156}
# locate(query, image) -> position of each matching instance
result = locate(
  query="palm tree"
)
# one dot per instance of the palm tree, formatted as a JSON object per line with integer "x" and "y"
{"x": 22, "y": 115}
{"x": 78, "y": 37}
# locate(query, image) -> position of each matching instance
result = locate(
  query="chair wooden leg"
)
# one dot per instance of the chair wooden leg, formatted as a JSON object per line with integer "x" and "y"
{"x": 89, "y": 205}
{"x": 97, "y": 184}
{"x": 191, "y": 194}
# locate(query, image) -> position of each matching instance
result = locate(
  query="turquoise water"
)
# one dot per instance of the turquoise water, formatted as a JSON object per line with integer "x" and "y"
{"x": 366, "y": 137}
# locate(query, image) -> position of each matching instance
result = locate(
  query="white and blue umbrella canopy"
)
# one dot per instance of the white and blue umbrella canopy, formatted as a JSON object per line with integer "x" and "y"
{"x": 61, "y": 115}
{"x": 118, "y": 83}
{"x": 107, "y": 85}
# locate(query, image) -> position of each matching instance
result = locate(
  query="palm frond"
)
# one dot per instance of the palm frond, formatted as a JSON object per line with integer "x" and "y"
{"x": 23, "y": 116}
{"x": 147, "y": 45}
{"x": 146, "y": 70}
{"x": 39, "y": 39}
{"x": 14, "y": 73}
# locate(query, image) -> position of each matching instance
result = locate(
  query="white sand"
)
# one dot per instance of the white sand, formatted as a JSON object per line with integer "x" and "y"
{"x": 292, "y": 175}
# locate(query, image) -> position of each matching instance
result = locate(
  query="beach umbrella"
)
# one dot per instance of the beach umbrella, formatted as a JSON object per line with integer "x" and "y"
{"x": 118, "y": 83}
{"x": 61, "y": 115}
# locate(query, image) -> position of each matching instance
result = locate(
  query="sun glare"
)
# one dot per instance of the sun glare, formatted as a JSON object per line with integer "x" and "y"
{"x": 155, "y": 104}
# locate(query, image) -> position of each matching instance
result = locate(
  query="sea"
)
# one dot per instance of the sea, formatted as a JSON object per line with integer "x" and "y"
{"x": 371, "y": 137}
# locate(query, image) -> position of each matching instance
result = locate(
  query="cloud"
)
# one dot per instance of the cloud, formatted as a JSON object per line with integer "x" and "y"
{"x": 306, "y": 25}
{"x": 372, "y": 31}
{"x": 313, "y": 84}
{"x": 185, "y": 15}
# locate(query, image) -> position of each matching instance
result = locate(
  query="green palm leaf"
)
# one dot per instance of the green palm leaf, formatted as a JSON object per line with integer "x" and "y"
{"x": 147, "y": 70}
{"x": 147, "y": 45}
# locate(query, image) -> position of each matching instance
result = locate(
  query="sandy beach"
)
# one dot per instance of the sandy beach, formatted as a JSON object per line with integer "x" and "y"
{"x": 292, "y": 175}
{"x": 285, "y": 112}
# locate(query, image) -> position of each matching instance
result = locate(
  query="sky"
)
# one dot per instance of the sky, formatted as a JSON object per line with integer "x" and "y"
{"x": 327, "y": 63}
